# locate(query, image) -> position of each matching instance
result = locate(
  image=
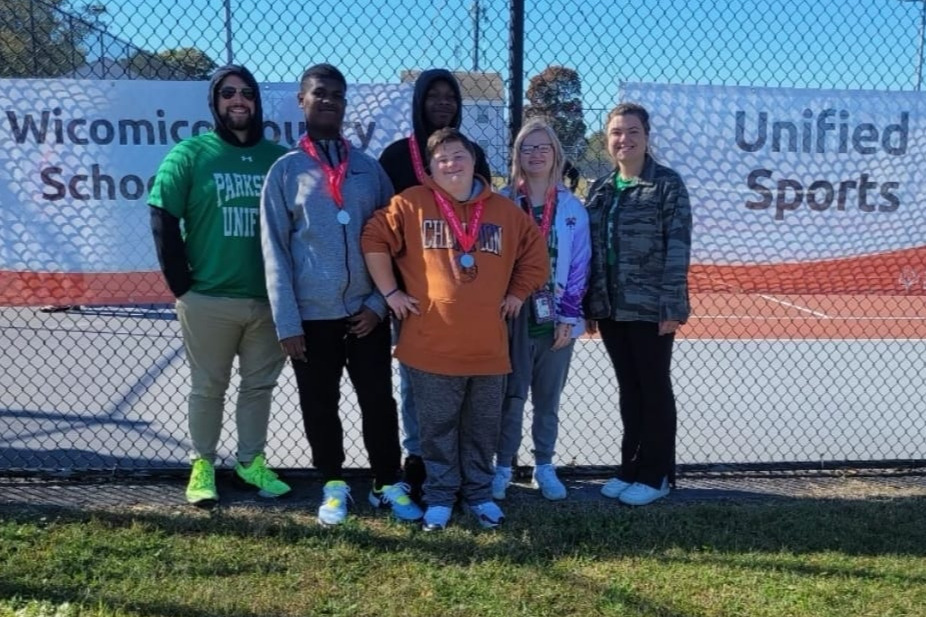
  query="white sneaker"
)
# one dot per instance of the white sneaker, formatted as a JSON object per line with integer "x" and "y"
{"x": 333, "y": 510}
{"x": 640, "y": 494}
{"x": 614, "y": 487}
{"x": 545, "y": 479}
{"x": 501, "y": 481}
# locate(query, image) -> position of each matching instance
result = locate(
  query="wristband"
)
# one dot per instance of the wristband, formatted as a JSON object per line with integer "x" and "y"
{"x": 390, "y": 293}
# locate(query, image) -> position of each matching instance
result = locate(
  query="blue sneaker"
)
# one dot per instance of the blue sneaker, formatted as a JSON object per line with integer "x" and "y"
{"x": 640, "y": 494}
{"x": 500, "y": 481}
{"x": 488, "y": 514}
{"x": 333, "y": 510}
{"x": 436, "y": 518}
{"x": 395, "y": 496}
{"x": 550, "y": 487}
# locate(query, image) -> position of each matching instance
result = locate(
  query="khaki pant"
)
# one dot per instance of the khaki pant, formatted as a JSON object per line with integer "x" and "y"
{"x": 215, "y": 330}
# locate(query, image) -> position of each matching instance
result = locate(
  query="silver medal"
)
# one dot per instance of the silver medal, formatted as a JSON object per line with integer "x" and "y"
{"x": 467, "y": 260}
{"x": 343, "y": 217}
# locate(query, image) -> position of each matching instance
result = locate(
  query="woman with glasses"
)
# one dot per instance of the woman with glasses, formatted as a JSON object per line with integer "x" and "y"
{"x": 544, "y": 332}
{"x": 640, "y": 222}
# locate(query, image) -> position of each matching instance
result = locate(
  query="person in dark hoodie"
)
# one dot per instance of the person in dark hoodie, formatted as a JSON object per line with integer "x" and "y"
{"x": 436, "y": 104}
{"x": 211, "y": 183}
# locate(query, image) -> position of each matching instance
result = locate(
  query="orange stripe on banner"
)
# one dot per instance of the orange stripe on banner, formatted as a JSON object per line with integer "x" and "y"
{"x": 39, "y": 288}
{"x": 809, "y": 316}
{"x": 899, "y": 272}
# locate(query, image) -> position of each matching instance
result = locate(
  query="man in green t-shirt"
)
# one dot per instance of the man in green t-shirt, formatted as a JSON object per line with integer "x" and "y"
{"x": 211, "y": 184}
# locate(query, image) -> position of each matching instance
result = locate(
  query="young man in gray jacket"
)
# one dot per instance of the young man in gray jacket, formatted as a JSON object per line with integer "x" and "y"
{"x": 328, "y": 315}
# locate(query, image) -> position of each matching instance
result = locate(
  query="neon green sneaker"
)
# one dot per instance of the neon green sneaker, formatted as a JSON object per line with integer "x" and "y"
{"x": 258, "y": 475}
{"x": 201, "y": 489}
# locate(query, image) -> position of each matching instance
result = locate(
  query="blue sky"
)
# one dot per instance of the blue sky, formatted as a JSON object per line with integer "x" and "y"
{"x": 860, "y": 44}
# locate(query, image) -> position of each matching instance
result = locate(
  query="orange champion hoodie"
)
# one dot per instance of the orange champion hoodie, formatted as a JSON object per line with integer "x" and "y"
{"x": 460, "y": 330}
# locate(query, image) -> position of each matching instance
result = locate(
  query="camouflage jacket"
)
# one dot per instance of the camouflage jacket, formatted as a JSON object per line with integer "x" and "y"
{"x": 647, "y": 279}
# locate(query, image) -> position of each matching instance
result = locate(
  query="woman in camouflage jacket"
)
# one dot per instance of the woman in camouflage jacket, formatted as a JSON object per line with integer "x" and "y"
{"x": 640, "y": 221}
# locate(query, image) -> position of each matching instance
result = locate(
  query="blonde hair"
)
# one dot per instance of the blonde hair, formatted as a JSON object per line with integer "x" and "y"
{"x": 559, "y": 158}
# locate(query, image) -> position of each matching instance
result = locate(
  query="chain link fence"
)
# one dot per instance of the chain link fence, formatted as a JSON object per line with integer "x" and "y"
{"x": 766, "y": 374}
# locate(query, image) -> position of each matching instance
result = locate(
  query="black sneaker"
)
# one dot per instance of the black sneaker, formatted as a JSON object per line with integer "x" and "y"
{"x": 414, "y": 475}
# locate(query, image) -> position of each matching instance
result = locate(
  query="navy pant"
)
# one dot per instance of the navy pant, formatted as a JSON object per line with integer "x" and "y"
{"x": 368, "y": 360}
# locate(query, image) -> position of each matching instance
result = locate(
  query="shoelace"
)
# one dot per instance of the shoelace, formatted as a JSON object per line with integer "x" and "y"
{"x": 265, "y": 475}
{"x": 395, "y": 488}
{"x": 201, "y": 479}
{"x": 340, "y": 493}
{"x": 201, "y": 482}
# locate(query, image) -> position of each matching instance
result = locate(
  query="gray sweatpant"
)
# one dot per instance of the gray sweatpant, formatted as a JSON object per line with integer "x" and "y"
{"x": 458, "y": 419}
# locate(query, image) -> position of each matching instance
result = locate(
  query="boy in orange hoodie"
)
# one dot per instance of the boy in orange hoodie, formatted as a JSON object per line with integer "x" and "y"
{"x": 468, "y": 258}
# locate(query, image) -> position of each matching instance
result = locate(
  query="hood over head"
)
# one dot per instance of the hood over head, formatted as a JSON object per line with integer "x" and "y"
{"x": 422, "y": 127}
{"x": 256, "y": 129}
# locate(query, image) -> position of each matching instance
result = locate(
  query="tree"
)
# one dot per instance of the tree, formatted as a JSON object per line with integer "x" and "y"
{"x": 39, "y": 39}
{"x": 195, "y": 62}
{"x": 180, "y": 63}
{"x": 555, "y": 96}
{"x": 595, "y": 161}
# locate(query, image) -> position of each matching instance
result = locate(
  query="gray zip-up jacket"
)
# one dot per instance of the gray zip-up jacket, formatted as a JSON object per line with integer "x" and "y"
{"x": 315, "y": 268}
{"x": 646, "y": 277}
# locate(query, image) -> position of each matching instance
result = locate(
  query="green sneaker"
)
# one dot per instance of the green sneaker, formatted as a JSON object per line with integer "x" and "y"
{"x": 201, "y": 489}
{"x": 258, "y": 475}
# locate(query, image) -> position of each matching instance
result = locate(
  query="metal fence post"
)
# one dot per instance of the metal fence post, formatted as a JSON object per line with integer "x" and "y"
{"x": 516, "y": 61}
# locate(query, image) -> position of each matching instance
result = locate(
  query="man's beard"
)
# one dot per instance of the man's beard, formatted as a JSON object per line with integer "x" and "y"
{"x": 236, "y": 123}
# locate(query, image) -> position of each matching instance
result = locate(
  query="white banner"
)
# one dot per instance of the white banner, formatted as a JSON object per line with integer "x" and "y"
{"x": 77, "y": 160}
{"x": 827, "y": 180}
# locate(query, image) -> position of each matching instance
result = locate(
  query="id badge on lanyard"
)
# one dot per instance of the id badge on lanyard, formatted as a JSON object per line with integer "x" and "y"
{"x": 542, "y": 303}
{"x": 543, "y": 306}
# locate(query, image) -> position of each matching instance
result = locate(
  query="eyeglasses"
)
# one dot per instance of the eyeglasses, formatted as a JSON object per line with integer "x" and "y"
{"x": 228, "y": 93}
{"x": 541, "y": 148}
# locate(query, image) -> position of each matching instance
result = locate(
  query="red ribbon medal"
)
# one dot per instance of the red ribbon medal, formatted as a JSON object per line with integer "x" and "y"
{"x": 546, "y": 220}
{"x": 466, "y": 238}
{"x": 333, "y": 175}
{"x": 417, "y": 161}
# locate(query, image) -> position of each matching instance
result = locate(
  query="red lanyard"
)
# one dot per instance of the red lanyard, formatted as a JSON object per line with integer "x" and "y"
{"x": 417, "y": 162}
{"x": 334, "y": 175}
{"x": 546, "y": 221}
{"x": 466, "y": 238}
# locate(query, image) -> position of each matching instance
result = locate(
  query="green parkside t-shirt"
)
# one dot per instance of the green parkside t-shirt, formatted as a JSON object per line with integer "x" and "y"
{"x": 214, "y": 188}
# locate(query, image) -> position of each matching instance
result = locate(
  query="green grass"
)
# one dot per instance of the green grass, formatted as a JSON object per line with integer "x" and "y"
{"x": 788, "y": 558}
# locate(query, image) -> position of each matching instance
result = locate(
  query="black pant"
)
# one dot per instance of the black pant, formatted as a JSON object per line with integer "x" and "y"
{"x": 329, "y": 349}
{"x": 642, "y": 360}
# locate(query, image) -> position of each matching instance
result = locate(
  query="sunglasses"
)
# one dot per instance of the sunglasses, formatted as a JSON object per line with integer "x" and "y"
{"x": 228, "y": 93}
